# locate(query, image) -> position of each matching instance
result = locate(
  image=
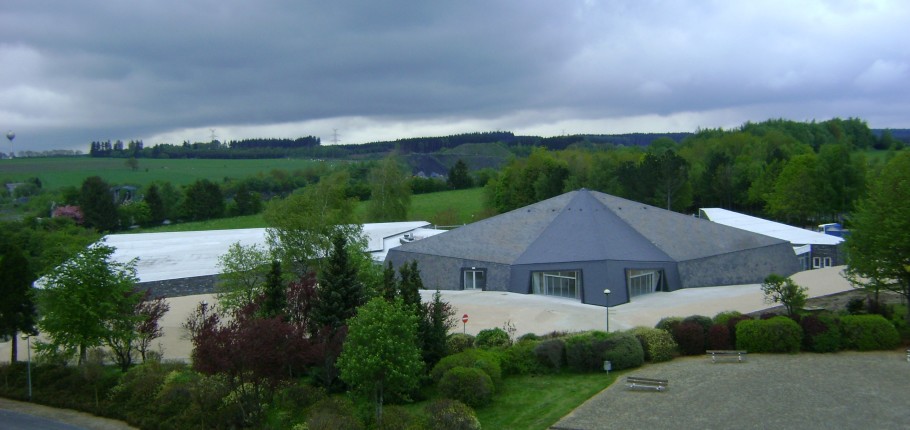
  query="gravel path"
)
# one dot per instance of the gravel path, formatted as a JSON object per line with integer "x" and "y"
{"x": 848, "y": 390}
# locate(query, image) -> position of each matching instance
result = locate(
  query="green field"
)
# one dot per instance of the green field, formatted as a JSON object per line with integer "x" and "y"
{"x": 55, "y": 173}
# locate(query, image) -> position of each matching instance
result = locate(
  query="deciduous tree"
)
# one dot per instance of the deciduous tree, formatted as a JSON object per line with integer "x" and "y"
{"x": 83, "y": 300}
{"x": 390, "y": 192}
{"x": 97, "y": 204}
{"x": 243, "y": 274}
{"x": 878, "y": 248}
{"x": 203, "y": 200}
{"x": 380, "y": 356}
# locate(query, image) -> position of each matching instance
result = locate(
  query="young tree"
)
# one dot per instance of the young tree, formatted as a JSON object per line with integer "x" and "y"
{"x": 246, "y": 202}
{"x": 134, "y": 329}
{"x": 243, "y": 273}
{"x": 390, "y": 192}
{"x": 301, "y": 227}
{"x": 17, "y": 310}
{"x": 380, "y": 355}
{"x": 782, "y": 290}
{"x": 274, "y": 298}
{"x": 437, "y": 319}
{"x": 97, "y": 204}
{"x": 410, "y": 284}
{"x": 83, "y": 299}
{"x": 879, "y": 244}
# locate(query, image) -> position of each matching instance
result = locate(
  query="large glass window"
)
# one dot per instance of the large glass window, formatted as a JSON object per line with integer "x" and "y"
{"x": 559, "y": 284}
{"x": 642, "y": 282}
{"x": 474, "y": 279}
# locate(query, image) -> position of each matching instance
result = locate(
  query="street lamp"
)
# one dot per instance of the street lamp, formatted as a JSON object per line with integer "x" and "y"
{"x": 607, "y": 294}
{"x": 28, "y": 347}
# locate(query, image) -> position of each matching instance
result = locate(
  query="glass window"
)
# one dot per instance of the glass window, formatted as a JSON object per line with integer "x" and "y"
{"x": 560, "y": 283}
{"x": 642, "y": 282}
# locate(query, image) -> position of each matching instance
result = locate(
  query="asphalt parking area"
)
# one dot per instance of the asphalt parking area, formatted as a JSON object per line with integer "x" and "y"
{"x": 847, "y": 390}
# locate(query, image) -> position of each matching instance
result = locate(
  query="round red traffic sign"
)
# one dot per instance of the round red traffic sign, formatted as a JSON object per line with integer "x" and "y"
{"x": 464, "y": 318}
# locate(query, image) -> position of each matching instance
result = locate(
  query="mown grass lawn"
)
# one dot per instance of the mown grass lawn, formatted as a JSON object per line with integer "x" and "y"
{"x": 537, "y": 402}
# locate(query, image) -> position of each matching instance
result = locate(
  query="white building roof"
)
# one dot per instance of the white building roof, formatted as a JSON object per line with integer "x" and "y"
{"x": 795, "y": 235}
{"x": 176, "y": 255}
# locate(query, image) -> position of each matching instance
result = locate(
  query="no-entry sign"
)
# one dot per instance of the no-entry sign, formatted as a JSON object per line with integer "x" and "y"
{"x": 464, "y": 318}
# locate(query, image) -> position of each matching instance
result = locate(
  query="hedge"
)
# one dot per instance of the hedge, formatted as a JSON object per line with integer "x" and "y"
{"x": 821, "y": 333}
{"x": 551, "y": 354}
{"x": 778, "y": 334}
{"x": 690, "y": 336}
{"x": 458, "y": 342}
{"x": 585, "y": 351}
{"x": 869, "y": 332}
{"x": 521, "y": 359}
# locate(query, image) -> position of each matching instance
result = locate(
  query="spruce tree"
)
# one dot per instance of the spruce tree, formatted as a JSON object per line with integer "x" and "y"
{"x": 275, "y": 297}
{"x": 17, "y": 310}
{"x": 339, "y": 292}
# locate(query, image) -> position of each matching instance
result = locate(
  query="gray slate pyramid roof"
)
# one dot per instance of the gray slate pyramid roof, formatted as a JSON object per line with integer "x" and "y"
{"x": 588, "y": 225}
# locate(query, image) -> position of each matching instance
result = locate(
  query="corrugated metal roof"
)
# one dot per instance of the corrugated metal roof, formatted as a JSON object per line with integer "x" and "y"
{"x": 794, "y": 235}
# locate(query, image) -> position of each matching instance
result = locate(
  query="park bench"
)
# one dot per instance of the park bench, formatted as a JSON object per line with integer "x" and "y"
{"x": 715, "y": 355}
{"x": 646, "y": 383}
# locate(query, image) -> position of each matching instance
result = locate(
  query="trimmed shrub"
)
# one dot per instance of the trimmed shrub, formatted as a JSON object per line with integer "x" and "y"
{"x": 731, "y": 326}
{"x": 551, "y": 354}
{"x": 585, "y": 351}
{"x": 718, "y": 337}
{"x": 868, "y": 333}
{"x": 451, "y": 415}
{"x": 658, "y": 345}
{"x": 821, "y": 333}
{"x": 492, "y": 338}
{"x": 701, "y": 320}
{"x": 467, "y": 384}
{"x": 668, "y": 323}
{"x": 458, "y": 342}
{"x": 486, "y": 360}
{"x": 623, "y": 350}
{"x": 520, "y": 359}
{"x": 724, "y": 317}
{"x": 778, "y": 334}
{"x": 690, "y": 336}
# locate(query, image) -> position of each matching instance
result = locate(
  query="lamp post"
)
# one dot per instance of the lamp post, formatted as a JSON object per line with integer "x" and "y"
{"x": 607, "y": 295}
{"x": 28, "y": 347}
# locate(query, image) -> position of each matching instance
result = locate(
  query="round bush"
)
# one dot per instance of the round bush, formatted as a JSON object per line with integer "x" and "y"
{"x": 486, "y": 360}
{"x": 492, "y": 338}
{"x": 520, "y": 359}
{"x": 701, "y": 320}
{"x": 668, "y": 323}
{"x": 451, "y": 415}
{"x": 585, "y": 351}
{"x": 718, "y": 337}
{"x": 467, "y": 384}
{"x": 528, "y": 336}
{"x": 624, "y": 351}
{"x": 658, "y": 345}
{"x": 731, "y": 326}
{"x": 868, "y": 333}
{"x": 458, "y": 342}
{"x": 551, "y": 354}
{"x": 690, "y": 336}
{"x": 778, "y": 334}
{"x": 821, "y": 333}
{"x": 726, "y": 316}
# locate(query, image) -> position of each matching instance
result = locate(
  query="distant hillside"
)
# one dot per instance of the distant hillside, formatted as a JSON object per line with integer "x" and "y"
{"x": 902, "y": 134}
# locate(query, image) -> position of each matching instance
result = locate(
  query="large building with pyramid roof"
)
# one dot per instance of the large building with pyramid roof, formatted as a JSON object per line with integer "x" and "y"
{"x": 580, "y": 243}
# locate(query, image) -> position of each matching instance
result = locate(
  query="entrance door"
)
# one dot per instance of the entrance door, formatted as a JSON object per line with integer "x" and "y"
{"x": 474, "y": 279}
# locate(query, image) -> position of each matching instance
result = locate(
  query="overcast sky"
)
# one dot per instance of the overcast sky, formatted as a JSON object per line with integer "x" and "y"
{"x": 165, "y": 71}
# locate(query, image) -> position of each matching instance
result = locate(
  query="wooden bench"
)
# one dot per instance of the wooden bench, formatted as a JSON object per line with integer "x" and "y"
{"x": 646, "y": 383}
{"x": 715, "y": 355}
